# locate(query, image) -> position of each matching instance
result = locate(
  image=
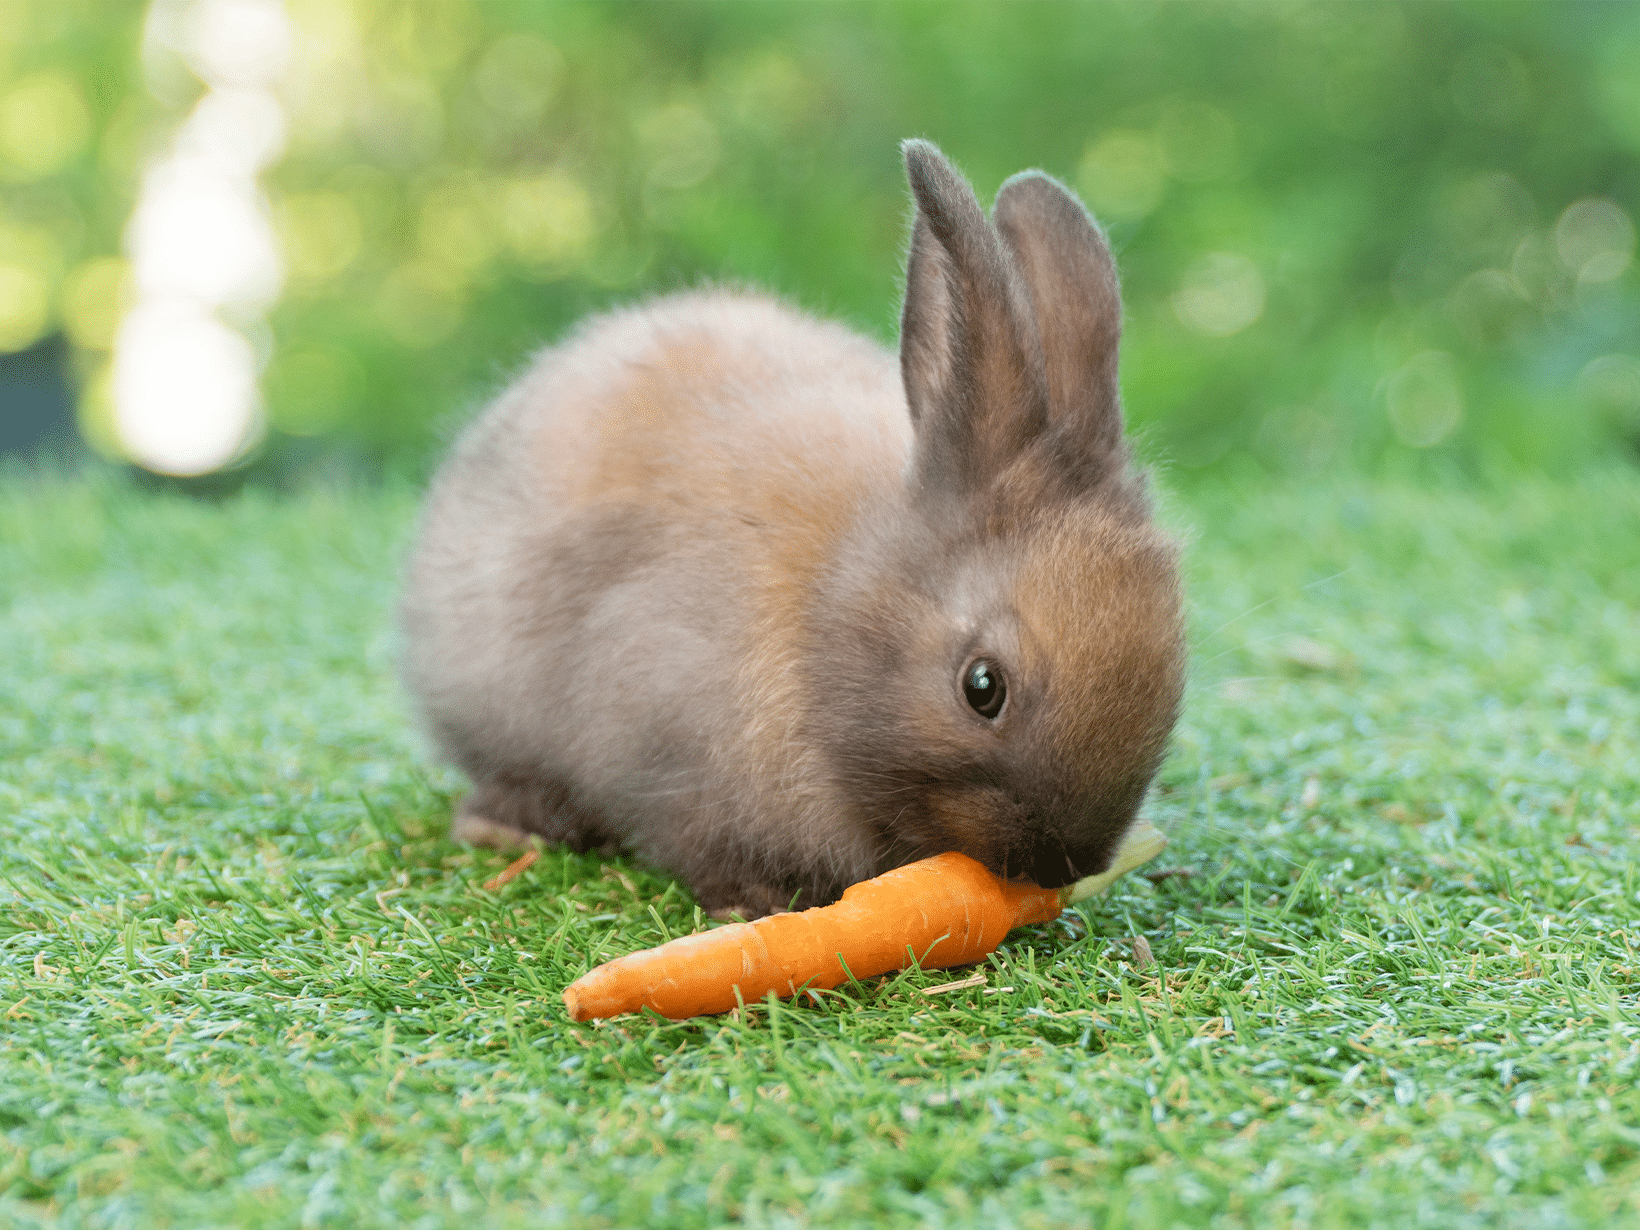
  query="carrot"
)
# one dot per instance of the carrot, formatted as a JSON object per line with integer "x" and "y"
{"x": 945, "y": 910}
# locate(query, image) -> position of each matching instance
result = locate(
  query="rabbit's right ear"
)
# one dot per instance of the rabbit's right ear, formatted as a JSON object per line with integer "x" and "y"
{"x": 1077, "y": 305}
{"x": 969, "y": 353}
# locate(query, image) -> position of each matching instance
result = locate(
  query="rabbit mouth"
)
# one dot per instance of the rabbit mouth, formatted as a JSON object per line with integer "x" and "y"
{"x": 1050, "y": 863}
{"x": 1046, "y": 864}
{"x": 1015, "y": 838}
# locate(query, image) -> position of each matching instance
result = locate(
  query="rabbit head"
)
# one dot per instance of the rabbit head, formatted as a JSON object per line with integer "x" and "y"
{"x": 998, "y": 670}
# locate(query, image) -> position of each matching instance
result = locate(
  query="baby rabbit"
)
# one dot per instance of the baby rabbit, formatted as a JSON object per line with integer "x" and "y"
{"x": 717, "y": 583}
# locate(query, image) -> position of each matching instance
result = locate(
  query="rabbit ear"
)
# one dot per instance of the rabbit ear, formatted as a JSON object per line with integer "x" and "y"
{"x": 969, "y": 355}
{"x": 1067, "y": 265}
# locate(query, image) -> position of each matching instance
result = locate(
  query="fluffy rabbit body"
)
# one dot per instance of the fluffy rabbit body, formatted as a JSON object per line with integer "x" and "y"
{"x": 727, "y": 586}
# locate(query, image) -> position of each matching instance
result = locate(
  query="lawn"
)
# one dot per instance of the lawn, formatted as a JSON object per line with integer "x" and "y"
{"x": 245, "y": 980}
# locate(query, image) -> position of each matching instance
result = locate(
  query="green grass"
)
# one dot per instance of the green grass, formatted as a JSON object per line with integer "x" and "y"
{"x": 245, "y": 981}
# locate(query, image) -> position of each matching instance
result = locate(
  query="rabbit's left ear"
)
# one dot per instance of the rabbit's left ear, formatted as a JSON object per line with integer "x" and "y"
{"x": 1067, "y": 266}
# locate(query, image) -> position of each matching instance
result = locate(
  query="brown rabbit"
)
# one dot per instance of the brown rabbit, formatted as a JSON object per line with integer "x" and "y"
{"x": 715, "y": 582}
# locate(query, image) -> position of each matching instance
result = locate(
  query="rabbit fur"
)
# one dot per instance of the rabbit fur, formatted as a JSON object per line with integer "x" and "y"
{"x": 707, "y": 582}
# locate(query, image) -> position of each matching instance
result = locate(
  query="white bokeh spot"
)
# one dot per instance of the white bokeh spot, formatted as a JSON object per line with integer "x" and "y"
{"x": 203, "y": 250}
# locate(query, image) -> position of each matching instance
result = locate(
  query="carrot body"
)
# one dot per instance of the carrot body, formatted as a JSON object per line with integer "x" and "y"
{"x": 945, "y": 910}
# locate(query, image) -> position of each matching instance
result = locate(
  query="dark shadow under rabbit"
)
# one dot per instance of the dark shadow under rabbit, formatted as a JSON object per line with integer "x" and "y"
{"x": 724, "y": 585}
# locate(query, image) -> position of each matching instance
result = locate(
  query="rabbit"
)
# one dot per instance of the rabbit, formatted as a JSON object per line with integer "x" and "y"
{"x": 726, "y": 586}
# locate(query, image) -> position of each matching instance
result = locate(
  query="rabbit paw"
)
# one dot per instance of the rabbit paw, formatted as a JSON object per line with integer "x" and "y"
{"x": 477, "y": 830}
{"x": 511, "y": 815}
{"x": 747, "y": 902}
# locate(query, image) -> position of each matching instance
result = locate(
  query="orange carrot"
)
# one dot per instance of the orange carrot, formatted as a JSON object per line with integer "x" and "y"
{"x": 946, "y": 910}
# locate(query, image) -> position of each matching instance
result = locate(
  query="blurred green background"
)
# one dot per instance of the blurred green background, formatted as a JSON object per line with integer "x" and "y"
{"x": 1351, "y": 235}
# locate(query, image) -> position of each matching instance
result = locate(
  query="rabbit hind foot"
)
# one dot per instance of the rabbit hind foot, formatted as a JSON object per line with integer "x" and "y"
{"x": 507, "y": 815}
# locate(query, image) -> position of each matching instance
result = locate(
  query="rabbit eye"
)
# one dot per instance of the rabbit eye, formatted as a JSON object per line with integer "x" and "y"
{"x": 983, "y": 685}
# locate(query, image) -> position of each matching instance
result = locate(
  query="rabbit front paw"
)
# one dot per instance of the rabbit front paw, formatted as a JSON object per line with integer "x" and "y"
{"x": 747, "y": 902}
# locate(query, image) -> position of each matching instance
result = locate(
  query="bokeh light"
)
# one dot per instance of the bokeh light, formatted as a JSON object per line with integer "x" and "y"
{"x": 1425, "y": 399}
{"x": 1123, "y": 175}
{"x": 203, "y": 250}
{"x": 1223, "y": 293}
{"x": 1595, "y": 240}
